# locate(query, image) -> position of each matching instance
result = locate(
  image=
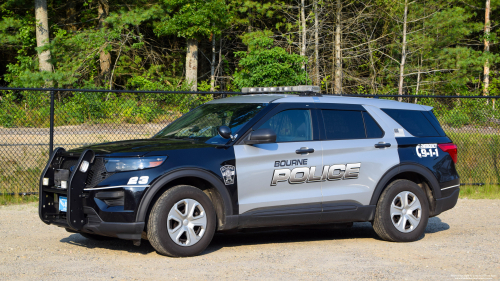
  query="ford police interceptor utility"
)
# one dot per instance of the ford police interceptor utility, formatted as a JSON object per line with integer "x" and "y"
{"x": 259, "y": 160}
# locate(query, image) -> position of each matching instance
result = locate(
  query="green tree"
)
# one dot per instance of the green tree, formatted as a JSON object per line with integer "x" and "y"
{"x": 264, "y": 65}
{"x": 193, "y": 20}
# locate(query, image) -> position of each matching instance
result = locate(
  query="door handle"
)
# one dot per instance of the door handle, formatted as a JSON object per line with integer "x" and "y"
{"x": 304, "y": 150}
{"x": 382, "y": 145}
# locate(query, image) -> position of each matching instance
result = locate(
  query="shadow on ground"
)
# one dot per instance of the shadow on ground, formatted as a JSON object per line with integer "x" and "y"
{"x": 435, "y": 224}
{"x": 256, "y": 237}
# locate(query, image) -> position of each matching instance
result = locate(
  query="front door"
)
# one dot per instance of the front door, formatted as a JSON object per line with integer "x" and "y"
{"x": 282, "y": 178}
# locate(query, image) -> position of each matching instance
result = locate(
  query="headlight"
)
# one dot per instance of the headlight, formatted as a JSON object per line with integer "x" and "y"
{"x": 130, "y": 164}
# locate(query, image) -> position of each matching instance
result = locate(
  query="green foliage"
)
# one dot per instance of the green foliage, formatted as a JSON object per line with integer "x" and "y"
{"x": 265, "y": 65}
{"x": 193, "y": 19}
{"x": 146, "y": 39}
{"x": 205, "y": 86}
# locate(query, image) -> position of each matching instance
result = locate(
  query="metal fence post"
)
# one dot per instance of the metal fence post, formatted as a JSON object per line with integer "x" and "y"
{"x": 51, "y": 140}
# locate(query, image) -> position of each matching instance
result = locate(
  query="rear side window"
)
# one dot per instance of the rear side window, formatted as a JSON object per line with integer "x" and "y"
{"x": 373, "y": 130}
{"x": 414, "y": 121}
{"x": 347, "y": 124}
{"x": 342, "y": 125}
{"x": 432, "y": 118}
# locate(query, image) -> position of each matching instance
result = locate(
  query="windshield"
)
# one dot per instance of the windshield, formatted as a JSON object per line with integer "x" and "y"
{"x": 201, "y": 123}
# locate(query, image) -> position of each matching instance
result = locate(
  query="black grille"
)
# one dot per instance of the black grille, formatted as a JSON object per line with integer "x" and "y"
{"x": 68, "y": 163}
{"x": 97, "y": 173}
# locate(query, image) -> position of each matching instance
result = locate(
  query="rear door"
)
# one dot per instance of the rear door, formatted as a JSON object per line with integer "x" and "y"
{"x": 358, "y": 149}
{"x": 274, "y": 181}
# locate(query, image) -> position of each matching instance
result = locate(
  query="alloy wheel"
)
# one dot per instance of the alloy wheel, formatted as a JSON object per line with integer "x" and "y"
{"x": 406, "y": 211}
{"x": 187, "y": 222}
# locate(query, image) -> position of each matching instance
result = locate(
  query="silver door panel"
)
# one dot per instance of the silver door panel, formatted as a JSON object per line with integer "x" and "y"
{"x": 255, "y": 165}
{"x": 374, "y": 163}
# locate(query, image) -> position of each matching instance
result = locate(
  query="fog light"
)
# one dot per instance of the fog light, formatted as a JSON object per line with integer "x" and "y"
{"x": 84, "y": 166}
{"x": 46, "y": 181}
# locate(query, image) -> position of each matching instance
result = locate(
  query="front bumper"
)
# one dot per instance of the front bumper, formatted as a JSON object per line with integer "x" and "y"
{"x": 109, "y": 212}
{"x": 122, "y": 230}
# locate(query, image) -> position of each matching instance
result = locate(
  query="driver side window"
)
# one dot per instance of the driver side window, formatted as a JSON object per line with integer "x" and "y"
{"x": 291, "y": 125}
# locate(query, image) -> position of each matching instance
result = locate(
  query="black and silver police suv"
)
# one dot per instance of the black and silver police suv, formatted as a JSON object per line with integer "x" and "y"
{"x": 259, "y": 160}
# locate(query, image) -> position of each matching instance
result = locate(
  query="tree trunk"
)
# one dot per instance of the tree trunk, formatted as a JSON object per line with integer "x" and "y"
{"x": 403, "y": 53}
{"x": 304, "y": 32}
{"x": 104, "y": 57}
{"x": 418, "y": 77}
{"x": 338, "y": 51}
{"x": 42, "y": 34}
{"x": 212, "y": 66}
{"x": 316, "y": 43}
{"x": 70, "y": 15}
{"x": 373, "y": 72}
{"x": 192, "y": 63}
{"x": 249, "y": 28}
{"x": 487, "y": 28}
{"x": 300, "y": 30}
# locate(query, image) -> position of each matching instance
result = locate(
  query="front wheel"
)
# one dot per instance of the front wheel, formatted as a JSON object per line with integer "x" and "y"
{"x": 182, "y": 222}
{"x": 402, "y": 212}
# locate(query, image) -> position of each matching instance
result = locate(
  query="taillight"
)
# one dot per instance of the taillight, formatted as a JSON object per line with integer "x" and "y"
{"x": 451, "y": 148}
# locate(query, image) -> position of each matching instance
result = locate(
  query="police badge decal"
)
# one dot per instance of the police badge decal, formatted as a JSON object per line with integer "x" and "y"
{"x": 228, "y": 173}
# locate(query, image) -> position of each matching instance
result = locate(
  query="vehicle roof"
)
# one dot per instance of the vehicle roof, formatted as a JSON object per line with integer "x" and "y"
{"x": 285, "y": 98}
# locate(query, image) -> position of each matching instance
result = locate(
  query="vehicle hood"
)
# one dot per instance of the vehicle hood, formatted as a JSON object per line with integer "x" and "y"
{"x": 138, "y": 148}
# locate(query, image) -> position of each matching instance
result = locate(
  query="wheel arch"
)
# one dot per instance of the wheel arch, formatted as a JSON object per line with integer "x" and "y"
{"x": 414, "y": 172}
{"x": 199, "y": 178}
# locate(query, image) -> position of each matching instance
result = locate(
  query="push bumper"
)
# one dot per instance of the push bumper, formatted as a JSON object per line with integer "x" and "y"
{"x": 79, "y": 217}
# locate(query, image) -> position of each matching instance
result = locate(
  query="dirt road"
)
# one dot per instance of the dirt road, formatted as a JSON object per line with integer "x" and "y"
{"x": 461, "y": 243}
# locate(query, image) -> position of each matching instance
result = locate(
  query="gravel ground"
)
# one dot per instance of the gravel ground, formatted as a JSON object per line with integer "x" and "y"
{"x": 461, "y": 243}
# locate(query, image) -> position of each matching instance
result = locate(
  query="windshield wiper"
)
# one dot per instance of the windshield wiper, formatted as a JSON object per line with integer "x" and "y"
{"x": 182, "y": 138}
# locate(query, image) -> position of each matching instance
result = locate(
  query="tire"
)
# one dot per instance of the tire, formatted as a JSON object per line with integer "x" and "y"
{"x": 402, "y": 212}
{"x": 182, "y": 222}
{"x": 95, "y": 236}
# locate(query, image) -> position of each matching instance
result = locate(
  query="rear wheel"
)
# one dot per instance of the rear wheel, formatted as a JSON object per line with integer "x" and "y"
{"x": 182, "y": 222}
{"x": 402, "y": 212}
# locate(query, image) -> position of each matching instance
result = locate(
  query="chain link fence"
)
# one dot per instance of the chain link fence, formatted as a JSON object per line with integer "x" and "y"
{"x": 33, "y": 119}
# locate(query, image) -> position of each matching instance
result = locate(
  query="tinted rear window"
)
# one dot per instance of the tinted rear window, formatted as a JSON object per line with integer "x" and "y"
{"x": 372, "y": 128}
{"x": 430, "y": 115}
{"x": 414, "y": 121}
{"x": 343, "y": 125}
{"x": 347, "y": 124}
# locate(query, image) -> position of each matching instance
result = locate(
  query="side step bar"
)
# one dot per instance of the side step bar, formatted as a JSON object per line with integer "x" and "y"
{"x": 48, "y": 208}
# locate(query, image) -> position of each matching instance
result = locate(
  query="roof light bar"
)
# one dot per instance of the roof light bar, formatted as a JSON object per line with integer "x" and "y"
{"x": 282, "y": 89}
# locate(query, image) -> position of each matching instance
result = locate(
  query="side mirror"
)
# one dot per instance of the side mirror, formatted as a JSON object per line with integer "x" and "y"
{"x": 261, "y": 136}
{"x": 224, "y": 132}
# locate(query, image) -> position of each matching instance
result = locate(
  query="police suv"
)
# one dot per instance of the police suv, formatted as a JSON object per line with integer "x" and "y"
{"x": 259, "y": 160}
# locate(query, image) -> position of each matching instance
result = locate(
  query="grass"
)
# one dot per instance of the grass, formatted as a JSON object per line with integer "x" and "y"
{"x": 16, "y": 199}
{"x": 478, "y": 157}
{"x": 480, "y": 192}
